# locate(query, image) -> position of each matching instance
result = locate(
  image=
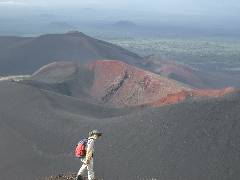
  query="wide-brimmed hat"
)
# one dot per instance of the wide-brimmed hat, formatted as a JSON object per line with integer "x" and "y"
{"x": 95, "y": 131}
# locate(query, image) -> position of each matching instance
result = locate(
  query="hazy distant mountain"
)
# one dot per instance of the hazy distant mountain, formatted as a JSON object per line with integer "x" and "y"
{"x": 25, "y": 55}
{"x": 192, "y": 76}
{"x": 124, "y": 24}
{"x": 60, "y": 25}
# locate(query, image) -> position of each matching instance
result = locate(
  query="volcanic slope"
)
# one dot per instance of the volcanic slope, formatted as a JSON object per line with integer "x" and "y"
{"x": 198, "y": 78}
{"x": 23, "y": 55}
{"x": 115, "y": 83}
{"x": 39, "y": 129}
{"x": 196, "y": 139}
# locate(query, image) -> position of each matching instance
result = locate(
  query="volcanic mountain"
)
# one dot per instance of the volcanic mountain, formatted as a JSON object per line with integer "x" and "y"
{"x": 114, "y": 83}
{"x": 195, "y": 139}
{"x": 23, "y": 55}
{"x": 154, "y": 127}
{"x": 198, "y": 78}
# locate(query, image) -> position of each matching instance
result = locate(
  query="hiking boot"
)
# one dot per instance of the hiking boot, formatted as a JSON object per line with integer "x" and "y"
{"x": 79, "y": 177}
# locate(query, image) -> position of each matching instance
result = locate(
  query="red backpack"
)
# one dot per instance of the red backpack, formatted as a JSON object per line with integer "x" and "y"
{"x": 80, "y": 150}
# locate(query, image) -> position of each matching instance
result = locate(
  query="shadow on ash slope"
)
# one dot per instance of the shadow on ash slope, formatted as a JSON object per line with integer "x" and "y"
{"x": 197, "y": 139}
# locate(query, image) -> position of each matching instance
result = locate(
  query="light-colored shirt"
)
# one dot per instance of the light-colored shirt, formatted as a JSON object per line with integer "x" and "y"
{"x": 90, "y": 148}
{"x": 90, "y": 144}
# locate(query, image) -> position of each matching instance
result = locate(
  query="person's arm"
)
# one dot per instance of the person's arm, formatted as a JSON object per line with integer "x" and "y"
{"x": 89, "y": 152}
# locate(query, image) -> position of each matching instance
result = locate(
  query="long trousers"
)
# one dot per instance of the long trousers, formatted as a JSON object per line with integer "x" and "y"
{"x": 89, "y": 168}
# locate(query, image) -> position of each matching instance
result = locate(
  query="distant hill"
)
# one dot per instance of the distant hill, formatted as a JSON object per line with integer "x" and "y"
{"x": 23, "y": 55}
{"x": 124, "y": 24}
{"x": 19, "y": 55}
{"x": 109, "y": 82}
{"x": 115, "y": 84}
{"x": 60, "y": 25}
{"x": 192, "y": 76}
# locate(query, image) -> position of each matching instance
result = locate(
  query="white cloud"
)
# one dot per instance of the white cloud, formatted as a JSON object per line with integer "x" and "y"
{"x": 89, "y": 3}
{"x": 65, "y": 3}
{"x": 11, "y": 3}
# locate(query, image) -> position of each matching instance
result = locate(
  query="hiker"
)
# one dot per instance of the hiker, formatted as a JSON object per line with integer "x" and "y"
{"x": 87, "y": 157}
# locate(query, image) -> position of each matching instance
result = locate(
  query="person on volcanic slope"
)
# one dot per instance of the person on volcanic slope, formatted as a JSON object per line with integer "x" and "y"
{"x": 88, "y": 159}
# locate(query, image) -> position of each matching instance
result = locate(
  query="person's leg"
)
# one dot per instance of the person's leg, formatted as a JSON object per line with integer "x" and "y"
{"x": 81, "y": 170}
{"x": 90, "y": 170}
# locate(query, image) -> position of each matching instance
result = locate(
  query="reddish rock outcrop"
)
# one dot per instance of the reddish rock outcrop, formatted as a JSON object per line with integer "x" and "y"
{"x": 171, "y": 99}
{"x": 118, "y": 84}
{"x": 212, "y": 92}
{"x": 124, "y": 85}
{"x": 181, "y": 96}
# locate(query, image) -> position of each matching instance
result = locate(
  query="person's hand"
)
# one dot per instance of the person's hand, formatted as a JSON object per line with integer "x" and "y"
{"x": 87, "y": 161}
